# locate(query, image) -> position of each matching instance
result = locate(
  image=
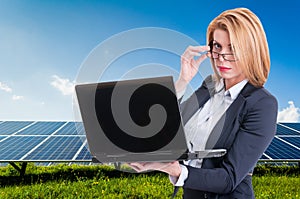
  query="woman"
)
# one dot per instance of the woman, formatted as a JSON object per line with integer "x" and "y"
{"x": 232, "y": 109}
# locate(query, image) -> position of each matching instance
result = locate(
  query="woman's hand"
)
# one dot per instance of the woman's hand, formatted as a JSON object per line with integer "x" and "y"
{"x": 171, "y": 168}
{"x": 190, "y": 65}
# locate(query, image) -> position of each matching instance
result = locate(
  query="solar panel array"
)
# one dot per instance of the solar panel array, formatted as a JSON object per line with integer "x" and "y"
{"x": 286, "y": 144}
{"x": 42, "y": 141}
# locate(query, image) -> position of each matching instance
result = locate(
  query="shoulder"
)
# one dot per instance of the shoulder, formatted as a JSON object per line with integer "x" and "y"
{"x": 253, "y": 93}
{"x": 261, "y": 93}
{"x": 258, "y": 97}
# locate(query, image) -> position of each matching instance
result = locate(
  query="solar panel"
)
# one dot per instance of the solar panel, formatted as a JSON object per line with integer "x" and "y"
{"x": 43, "y": 141}
{"x": 10, "y": 127}
{"x": 295, "y": 126}
{"x": 264, "y": 157}
{"x": 283, "y": 130}
{"x": 14, "y": 147}
{"x": 84, "y": 154}
{"x": 2, "y": 137}
{"x": 282, "y": 150}
{"x": 56, "y": 148}
{"x": 295, "y": 141}
{"x": 41, "y": 128}
{"x": 72, "y": 128}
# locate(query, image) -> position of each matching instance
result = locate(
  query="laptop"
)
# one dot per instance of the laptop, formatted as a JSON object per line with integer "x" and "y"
{"x": 135, "y": 120}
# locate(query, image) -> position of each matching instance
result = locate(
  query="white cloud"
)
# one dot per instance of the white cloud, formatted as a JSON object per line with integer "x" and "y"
{"x": 65, "y": 86}
{"x": 17, "y": 97}
{"x": 5, "y": 88}
{"x": 289, "y": 114}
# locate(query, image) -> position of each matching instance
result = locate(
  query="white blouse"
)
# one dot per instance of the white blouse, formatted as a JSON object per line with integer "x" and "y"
{"x": 200, "y": 125}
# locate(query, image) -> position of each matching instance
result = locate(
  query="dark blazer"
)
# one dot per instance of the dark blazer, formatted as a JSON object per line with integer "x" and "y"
{"x": 245, "y": 130}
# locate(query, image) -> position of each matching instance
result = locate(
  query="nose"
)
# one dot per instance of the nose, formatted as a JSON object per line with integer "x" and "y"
{"x": 221, "y": 58}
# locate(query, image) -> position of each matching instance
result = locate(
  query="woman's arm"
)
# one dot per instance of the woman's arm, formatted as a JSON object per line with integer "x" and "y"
{"x": 253, "y": 137}
{"x": 189, "y": 66}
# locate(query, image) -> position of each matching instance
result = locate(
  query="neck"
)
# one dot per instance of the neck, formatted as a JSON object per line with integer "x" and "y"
{"x": 231, "y": 82}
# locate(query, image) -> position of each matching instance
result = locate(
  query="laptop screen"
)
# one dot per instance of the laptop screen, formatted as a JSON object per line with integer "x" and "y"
{"x": 132, "y": 120}
{"x": 148, "y": 113}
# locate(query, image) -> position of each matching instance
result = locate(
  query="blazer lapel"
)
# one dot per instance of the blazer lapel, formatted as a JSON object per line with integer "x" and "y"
{"x": 197, "y": 99}
{"x": 225, "y": 129}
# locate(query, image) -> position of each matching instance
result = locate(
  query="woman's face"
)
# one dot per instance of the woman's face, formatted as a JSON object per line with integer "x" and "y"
{"x": 228, "y": 67}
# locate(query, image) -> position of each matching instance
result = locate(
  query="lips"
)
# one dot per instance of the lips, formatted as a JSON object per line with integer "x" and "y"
{"x": 224, "y": 68}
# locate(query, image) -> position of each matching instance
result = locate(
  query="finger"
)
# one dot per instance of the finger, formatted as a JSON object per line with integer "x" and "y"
{"x": 199, "y": 48}
{"x": 131, "y": 165}
{"x": 136, "y": 164}
{"x": 157, "y": 165}
{"x": 208, "y": 54}
{"x": 200, "y": 59}
{"x": 189, "y": 55}
{"x": 193, "y": 51}
{"x": 174, "y": 163}
{"x": 137, "y": 167}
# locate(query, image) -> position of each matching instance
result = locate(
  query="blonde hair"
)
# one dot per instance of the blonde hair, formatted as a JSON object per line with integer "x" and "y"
{"x": 248, "y": 40}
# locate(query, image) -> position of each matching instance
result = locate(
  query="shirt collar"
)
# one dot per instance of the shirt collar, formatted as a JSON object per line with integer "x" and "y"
{"x": 235, "y": 90}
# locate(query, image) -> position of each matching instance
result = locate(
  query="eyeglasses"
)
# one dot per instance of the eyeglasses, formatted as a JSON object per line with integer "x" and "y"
{"x": 226, "y": 56}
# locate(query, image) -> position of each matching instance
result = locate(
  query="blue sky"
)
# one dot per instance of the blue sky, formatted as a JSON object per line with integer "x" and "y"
{"x": 44, "y": 43}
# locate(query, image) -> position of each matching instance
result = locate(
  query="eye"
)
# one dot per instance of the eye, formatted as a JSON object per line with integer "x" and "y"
{"x": 217, "y": 47}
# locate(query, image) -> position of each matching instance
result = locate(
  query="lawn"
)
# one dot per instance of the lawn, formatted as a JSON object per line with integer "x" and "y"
{"x": 77, "y": 181}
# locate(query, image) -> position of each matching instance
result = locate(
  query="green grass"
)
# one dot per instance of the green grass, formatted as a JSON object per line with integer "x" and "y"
{"x": 77, "y": 181}
{"x": 276, "y": 187}
{"x": 137, "y": 187}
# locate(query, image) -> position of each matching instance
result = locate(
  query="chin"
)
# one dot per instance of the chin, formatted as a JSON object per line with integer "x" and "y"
{"x": 225, "y": 76}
